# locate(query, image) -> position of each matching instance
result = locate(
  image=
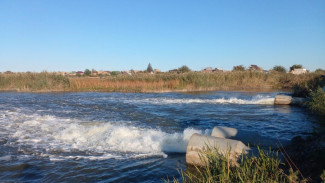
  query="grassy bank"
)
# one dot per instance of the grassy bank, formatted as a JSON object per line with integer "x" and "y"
{"x": 190, "y": 81}
{"x": 41, "y": 82}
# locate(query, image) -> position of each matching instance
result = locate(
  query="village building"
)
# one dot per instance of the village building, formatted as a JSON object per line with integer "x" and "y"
{"x": 298, "y": 71}
{"x": 103, "y": 73}
{"x": 255, "y": 68}
{"x": 126, "y": 72}
{"x": 173, "y": 71}
{"x": 156, "y": 71}
{"x": 219, "y": 70}
{"x": 94, "y": 72}
{"x": 78, "y": 73}
{"x": 208, "y": 70}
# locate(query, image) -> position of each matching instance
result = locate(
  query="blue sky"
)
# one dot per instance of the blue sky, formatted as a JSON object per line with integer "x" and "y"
{"x": 62, "y": 35}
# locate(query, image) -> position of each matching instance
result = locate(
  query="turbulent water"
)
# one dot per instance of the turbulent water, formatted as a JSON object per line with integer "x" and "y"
{"x": 115, "y": 137}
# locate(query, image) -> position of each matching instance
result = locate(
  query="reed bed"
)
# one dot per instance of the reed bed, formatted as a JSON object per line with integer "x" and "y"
{"x": 190, "y": 81}
{"x": 144, "y": 82}
{"x": 39, "y": 82}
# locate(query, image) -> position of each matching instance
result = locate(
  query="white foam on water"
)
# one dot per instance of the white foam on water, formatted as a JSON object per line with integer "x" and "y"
{"x": 51, "y": 137}
{"x": 262, "y": 100}
{"x": 5, "y": 158}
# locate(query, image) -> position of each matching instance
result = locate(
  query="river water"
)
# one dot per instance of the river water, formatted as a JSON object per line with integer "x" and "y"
{"x": 126, "y": 137}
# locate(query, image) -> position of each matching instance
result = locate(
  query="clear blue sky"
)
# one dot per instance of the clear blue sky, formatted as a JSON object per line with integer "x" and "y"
{"x": 69, "y": 35}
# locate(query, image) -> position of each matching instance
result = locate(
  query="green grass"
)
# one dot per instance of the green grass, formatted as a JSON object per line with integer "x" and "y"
{"x": 323, "y": 176}
{"x": 265, "y": 167}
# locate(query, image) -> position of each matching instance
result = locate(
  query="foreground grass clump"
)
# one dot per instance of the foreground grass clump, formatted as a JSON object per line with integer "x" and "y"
{"x": 262, "y": 168}
{"x": 323, "y": 176}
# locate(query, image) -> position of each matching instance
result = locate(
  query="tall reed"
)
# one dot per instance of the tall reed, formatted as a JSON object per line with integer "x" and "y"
{"x": 28, "y": 81}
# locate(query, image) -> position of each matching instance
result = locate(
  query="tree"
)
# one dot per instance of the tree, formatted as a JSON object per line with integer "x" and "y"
{"x": 279, "y": 68}
{"x": 93, "y": 71}
{"x": 149, "y": 68}
{"x": 296, "y": 66}
{"x": 238, "y": 68}
{"x": 184, "y": 69}
{"x": 87, "y": 72}
{"x": 115, "y": 73}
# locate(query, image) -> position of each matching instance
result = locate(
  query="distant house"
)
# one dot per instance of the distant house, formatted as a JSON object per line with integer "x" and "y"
{"x": 79, "y": 72}
{"x": 173, "y": 71}
{"x": 220, "y": 70}
{"x": 255, "y": 68}
{"x": 126, "y": 72}
{"x": 94, "y": 73}
{"x": 298, "y": 71}
{"x": 135, "y": 71}
{"x": 156, "y": 71}
{"x": 107, "y": 73}
{"x": 208, "y": 70}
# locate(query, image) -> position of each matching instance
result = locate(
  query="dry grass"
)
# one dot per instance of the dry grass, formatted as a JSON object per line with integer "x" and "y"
{"x": 43, "y": 81}
{"x": 189, "y": 81}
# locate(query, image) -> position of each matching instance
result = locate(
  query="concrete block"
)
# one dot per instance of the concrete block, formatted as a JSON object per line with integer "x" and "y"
{"x": 282, "y": 100}
{"x": 288, "y": 100}
{"x": 199, "y": 143}
{"x": 224, "y": 132}
{"x": 247, "y": 137}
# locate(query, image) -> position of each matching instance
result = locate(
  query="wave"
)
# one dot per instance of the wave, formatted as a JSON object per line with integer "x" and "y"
{"x": 254, "y": 100}
{"x": 59, "y": 138}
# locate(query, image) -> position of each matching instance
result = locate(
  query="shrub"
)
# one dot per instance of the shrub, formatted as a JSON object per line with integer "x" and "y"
{"x": 238, "y": 68}
{"x": 184, "y": 69}
{"x": 279, "y": 68}
{"x": 115, "y": 73}
{"x": 87, "y": 72}
{"x": 296, "y": 66}
{"x": 317, "y": 101}
{"x": 306, "y": 84}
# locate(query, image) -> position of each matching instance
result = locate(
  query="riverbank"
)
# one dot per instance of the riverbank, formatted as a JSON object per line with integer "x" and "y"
{"x": 156, "y": 83}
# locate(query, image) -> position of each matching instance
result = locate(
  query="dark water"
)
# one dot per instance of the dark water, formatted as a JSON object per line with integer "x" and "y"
{"x": 114, "y": 137}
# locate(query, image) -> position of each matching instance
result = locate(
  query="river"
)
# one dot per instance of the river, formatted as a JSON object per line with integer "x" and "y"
{"x": 126, "y": 137}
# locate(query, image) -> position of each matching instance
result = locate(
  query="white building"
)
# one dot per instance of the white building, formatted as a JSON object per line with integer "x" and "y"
{"x": 298, "y": 71}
